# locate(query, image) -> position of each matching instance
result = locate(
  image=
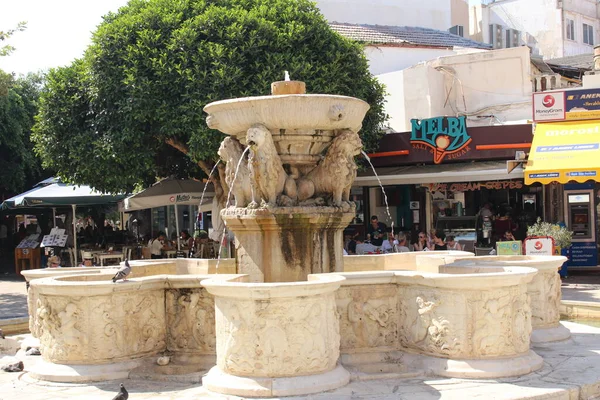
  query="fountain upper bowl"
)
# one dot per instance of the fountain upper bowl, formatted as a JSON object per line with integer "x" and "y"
{"x": 296, "y": 112}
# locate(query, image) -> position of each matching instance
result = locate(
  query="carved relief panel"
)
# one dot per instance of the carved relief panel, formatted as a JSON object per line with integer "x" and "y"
{"x": 277, "y": 337}
{"x": 368, "y": 317}
{"x": 433, "y": 321}
{"x": 100, "y": 328}
{"x": 545, "y": 294}
{"x": 190, "y": 321}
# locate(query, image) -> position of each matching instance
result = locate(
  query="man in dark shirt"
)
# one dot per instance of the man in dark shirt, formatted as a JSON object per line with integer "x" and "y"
{"x": 377, "y": 231}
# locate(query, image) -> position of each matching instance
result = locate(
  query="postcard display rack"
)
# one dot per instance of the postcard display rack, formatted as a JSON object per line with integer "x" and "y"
{"x": 27, "y": 254}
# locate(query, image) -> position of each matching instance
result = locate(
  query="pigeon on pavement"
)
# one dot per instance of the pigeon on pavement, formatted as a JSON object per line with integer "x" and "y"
{"x": 122, "y": 395}
{"x": 33, "y": 351}
{"x": 15, "y": 367}
{"x": 122, "y": 272}
{"x": 2, "y": 335}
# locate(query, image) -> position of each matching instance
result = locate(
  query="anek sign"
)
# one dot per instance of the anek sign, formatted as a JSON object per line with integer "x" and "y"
{"x": 441, "y": 136}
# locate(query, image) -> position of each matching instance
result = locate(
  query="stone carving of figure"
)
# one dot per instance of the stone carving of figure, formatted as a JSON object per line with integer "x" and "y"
{"x": 231, "y": 152}
{"x": 68, "y": 318}
{"x": 266, "y": 169}
{"x": 334, "y": 175}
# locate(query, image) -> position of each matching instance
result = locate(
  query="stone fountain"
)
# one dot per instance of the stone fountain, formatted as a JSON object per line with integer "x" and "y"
{"x": 292, "y": 191}
{"x": 294, "y": 320}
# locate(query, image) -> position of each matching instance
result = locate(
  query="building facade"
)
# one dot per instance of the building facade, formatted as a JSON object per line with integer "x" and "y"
{"x": 551, "y": 28}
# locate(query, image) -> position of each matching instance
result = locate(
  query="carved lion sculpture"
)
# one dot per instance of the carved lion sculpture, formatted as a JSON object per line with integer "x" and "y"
{"x": 231, "y": 151}
{"x": 267, "y": 174}
{"x": 334, "y": 175}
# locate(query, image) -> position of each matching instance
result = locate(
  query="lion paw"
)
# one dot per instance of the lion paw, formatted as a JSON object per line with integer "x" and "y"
{"x": 253, "y": 205}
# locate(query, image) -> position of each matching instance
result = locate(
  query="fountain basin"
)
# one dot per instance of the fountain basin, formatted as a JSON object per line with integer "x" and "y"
{"x": 544, "y": 290}
{"x": 276, "y": 339}
{"x": 296, "y": 112}
{"x": 442, "y": 324}
{"x": 139, "y": 268}
{"x": 302, "y": 126}
{"x": 86, "y": 323}
{"x": 411, "y": 261}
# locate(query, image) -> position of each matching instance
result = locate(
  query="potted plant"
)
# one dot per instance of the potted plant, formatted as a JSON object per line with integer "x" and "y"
{"x": 561, "y": 235}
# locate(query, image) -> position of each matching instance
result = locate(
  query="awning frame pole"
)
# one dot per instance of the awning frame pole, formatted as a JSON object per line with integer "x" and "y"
{"x": 75, "y": 233}
{"x": 177, "y": 227}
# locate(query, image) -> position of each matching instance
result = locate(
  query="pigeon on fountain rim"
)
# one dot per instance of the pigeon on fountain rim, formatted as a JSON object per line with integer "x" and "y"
{"x": 123, "y": 272}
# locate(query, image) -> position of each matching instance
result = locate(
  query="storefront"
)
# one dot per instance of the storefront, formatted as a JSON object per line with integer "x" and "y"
{"x": 442, "y": 173}
{"x": 565, "y": 158}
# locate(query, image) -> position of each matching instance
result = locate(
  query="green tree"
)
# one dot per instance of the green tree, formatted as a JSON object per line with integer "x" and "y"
{"x": 6, "y": 79}
{"x": 131, "y": 109}
{"x": 19, "y": 167}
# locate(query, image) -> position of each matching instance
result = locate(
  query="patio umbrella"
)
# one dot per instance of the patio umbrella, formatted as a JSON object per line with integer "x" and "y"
{"x": 60, "y": 194}
{"x": 172, "y": 192}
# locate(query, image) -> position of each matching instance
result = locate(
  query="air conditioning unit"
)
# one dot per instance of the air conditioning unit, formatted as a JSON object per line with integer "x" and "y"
{"x": 457, "y": 30}
{"x": 513, "y": 38}
{"x": 496, "y": 37}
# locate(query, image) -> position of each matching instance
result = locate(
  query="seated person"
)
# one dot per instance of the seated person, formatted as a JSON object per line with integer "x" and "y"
{"x": 157, "y": 246}
{"x": 203, "y": 247}
{"x": 421, "y": 243}
{"x": 508, "y": 236}
{"x": 54, "y": 262}
{"x": 402, "y": 246}
{"x": 438, "y": 241}
{"x": 387, "y": 246}
{"x": 452, "y": 244}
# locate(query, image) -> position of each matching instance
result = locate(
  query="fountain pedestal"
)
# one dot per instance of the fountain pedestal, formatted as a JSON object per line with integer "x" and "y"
{"x": 286, "y": 244}
{"x": 276, "y": 339}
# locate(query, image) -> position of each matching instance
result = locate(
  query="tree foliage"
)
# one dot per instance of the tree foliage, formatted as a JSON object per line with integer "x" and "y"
{"x": 19, "y": 167}
{"x": 131, "y": 109}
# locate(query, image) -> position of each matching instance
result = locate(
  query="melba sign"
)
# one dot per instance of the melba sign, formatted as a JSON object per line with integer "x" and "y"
{"x": 442, "y": 136}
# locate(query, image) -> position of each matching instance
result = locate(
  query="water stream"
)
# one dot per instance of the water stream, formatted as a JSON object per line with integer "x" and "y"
{"x": 387, "y": 205}
{"x": 237, "y": 169}
{"x": 206, "y": 184}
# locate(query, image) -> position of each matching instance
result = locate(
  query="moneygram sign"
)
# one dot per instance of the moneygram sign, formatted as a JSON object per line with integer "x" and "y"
{"x": 549, "y": 106}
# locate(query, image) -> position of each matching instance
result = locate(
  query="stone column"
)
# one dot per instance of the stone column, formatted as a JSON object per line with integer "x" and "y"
{"x": 287, "y": 244}
{"x": 276, "y": 339}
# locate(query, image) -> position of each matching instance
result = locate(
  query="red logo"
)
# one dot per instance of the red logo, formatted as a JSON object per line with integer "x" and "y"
{"x": 538, "y": 245}
{"x": 172, "y": 199}
{"x": 548, "y": 101}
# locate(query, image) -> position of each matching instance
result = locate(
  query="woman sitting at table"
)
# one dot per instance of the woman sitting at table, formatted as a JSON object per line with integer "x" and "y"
{"x": 54, "y": 262}
{"x": 187, "y": 240}
{"x": 157, "y": 246}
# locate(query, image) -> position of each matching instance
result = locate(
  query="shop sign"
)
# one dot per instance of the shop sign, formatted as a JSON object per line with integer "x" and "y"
{"x": 584, "y": 254}
{"x": 509, "y": 248}
{"x": 549, "y": 106}
{"x": 583, "y": 104}
{"x": 472, "y": 186}
{"x": 571, "y": 105}
{"x": 539, "y": 246}
{"x": 182, "y": 198}
{"x": 441, "y": 136}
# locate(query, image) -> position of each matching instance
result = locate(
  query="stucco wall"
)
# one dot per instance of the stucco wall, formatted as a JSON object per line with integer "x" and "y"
{"x": 384, "y": 59}
{"x": 495, "y": 83}
{"x": 427, "y": 14}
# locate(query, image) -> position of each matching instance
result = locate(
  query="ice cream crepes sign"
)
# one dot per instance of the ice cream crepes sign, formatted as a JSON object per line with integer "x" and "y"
{"x": 445, "y": 137}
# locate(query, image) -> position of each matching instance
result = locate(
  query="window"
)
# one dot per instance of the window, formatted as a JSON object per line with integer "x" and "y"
{"x": 588, "y": 34}
{"x": 513, "y": 37}
{"x": 457, "y": 30}
{"x": 570, "y": 25}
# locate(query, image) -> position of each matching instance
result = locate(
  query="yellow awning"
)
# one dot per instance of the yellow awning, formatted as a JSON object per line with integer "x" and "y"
{"x": 563, "y": 152}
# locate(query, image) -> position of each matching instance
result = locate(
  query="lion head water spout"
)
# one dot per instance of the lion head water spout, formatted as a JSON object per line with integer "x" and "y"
{"x": 292, "y": 193}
